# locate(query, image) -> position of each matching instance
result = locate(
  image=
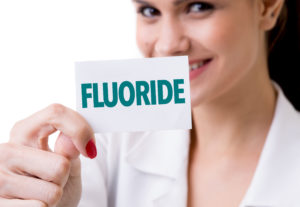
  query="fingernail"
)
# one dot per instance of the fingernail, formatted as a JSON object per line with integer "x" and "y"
{"x": 91, "y": 149}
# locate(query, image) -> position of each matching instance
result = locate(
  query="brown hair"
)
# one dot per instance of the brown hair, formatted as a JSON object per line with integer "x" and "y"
{"x": 284, "y": 51}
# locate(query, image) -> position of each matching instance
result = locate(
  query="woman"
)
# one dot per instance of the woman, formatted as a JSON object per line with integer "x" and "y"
{"x": 243, "y": 150}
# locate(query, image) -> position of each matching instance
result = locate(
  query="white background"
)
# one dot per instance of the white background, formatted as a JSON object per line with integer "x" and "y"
{"x": 41, "y": 39}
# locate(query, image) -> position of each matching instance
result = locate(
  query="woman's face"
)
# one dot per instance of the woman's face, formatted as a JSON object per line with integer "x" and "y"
{"x": 221, "y": 38}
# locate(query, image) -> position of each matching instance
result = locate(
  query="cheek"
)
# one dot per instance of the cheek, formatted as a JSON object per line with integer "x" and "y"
{"x": 237, "y": 46}
{"x": 227, "y": 38}
{"x": 145, "y": 38}
{"x": 233, "y": 43}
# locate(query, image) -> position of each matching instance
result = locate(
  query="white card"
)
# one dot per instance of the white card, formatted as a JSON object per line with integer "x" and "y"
{"x": 134, "y": 95}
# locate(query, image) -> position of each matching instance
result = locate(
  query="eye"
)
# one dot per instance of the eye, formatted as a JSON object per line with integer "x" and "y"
{"x": 198, "y": 7}
{"x": 148, "y": 12}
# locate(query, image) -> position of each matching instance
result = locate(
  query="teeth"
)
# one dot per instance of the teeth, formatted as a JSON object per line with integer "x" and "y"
{"x": 196, "y": 65}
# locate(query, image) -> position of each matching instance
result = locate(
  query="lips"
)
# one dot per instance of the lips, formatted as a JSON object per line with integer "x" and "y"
{"x": 194, "y": 65}
{"x": 198, "y": 66}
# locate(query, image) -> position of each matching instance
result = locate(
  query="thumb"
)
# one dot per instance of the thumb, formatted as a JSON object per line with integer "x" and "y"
{"x": 64, "y": 146}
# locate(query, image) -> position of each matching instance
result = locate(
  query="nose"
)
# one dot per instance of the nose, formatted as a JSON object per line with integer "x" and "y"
{"x": 171, "y": 39}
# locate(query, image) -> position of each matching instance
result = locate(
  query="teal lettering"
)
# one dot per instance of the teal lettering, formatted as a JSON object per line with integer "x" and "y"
{"x": 97, "y": 104}
{"x": 84, "y": 94}
{"x": 142, "y": 94}
{"x": 153, "y": 92}
{"x": 177, "y": 91}
{"x": 114, "y": 94}
{"x": 168, "y": 85}
{"x": 130, "y": 101}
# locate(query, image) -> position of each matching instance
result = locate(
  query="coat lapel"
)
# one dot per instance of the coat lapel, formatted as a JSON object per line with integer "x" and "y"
{"x": 277, "y": 177}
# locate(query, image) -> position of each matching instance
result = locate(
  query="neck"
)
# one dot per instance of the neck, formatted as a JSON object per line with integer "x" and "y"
{"x": 239, "y": 118}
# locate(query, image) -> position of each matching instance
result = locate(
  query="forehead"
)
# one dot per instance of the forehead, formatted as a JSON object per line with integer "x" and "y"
{"x": 173, "y": 2}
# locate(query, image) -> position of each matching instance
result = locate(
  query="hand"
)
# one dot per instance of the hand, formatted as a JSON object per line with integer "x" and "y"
{"x": 31, "y": 174}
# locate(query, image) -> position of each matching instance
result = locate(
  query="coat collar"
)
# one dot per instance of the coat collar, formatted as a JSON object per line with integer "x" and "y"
{"x": 160, "y": 153}
{"x": 163, "y": 156}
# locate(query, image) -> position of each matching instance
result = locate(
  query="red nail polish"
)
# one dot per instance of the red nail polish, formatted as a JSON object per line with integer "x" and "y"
{"x": 91, "y": 149}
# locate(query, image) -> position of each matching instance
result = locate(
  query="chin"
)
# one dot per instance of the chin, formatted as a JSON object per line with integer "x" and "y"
{"x": 195, "y": 102}
{"x": 198, "y": 95}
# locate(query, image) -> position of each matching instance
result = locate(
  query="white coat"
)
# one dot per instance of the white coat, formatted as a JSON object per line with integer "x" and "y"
{"x": 149, "y": 169}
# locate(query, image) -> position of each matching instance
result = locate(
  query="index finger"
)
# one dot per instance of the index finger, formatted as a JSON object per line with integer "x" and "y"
{"x": 34, "y": 130}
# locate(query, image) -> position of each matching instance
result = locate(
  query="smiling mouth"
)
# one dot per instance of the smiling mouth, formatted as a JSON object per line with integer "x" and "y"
{"x": 197, "y": 65}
